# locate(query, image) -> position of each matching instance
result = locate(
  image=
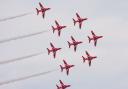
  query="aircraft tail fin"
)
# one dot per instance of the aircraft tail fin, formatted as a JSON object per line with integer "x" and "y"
{"x": 57, "y": 87}
{"x": 74, "y": 22}
{"x": 61, "y": 68}
{"x": 83, "y": 59}
{"x": 37, "y": 11}
{"x": 53, "y": 29}
{"x": 69, "y": 44}
{"x": 89, "y": 39}
{"x": 48, "y": 51}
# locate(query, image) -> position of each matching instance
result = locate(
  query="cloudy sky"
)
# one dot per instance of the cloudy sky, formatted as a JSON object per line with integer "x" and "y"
{"x": 105, "y": 17}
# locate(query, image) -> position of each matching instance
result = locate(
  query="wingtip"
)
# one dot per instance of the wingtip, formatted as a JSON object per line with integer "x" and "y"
{"x": 55, "y": 20}
{"x": 76, "y": 12}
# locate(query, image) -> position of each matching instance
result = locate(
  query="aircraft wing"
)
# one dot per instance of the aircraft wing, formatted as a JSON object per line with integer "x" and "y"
{"x": 67, "y": 71}
{"x": 65, "y": 62}
{"x": 80, "y": 25}
{"x": 59, "y": 32}
{"x": 54, "y": 54}
{"x": 52, "y": 45}
{"x": 56, "y": 23}
{"x": 93, "y": 33}
{"x": 87, "y": 53}
{"x": 75, "y": 47}
{"x": 43, "y": 14}
{"x": 72, "y": 38}
{"x": 77, "y": 15}
{"x": 90, "y": 63}
{"x": 61, "y": 83}
{"x": 41, "y": 6}
{"x": 95, "y": 42}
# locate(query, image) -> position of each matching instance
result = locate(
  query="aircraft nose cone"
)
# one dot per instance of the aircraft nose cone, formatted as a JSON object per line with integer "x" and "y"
{"x": 49, "y": 8}
{"x": 81, "y": 42}
{"x": 69, "y": 85}
{"x": 65, "y": 26}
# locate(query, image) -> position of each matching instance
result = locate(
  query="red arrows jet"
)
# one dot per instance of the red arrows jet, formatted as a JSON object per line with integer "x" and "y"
{"x": 66, "y": 67}
{"x": 54, "y": 50}
{"x": 74, "y": 43}
{"x": 79, "y": 20}
{"x": 89, "y": 58}
{"x": 58, "y": 28}
{"x": 63, "y": 86}
{"x": 95, "y": 38}
{"x": 42, "y": 10}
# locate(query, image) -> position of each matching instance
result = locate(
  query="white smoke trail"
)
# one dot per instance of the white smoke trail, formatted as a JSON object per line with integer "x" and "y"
{"x": 13, "y": 17}
{"x": 21, "y": 37}
{"x": 20, "y": 58}
{"x": 26, "y": 77}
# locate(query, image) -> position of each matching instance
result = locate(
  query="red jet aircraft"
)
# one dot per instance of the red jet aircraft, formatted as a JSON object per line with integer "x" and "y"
{"x": 58, "y": 28}
{"x": 42, "y": 10}
{"x": 94, "y": 38}
{"x": 66, "y": 67}
{"x": 63, "y": 86}
{"x": 54, "y": 50}
{"x": 74, "y": 43}
{"x": 79, "y": 20}
{"x": 89, "y": 58}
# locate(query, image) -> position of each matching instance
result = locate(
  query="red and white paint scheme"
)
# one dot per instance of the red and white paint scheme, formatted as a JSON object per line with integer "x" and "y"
{"x": 58, "y": 28}
{"x": 62, "y": 85}
{"x": 79, "y": 20}
{"x": 53, "y": 49}
{"x": 42, "y": 10}
{"x": 89, "y": 58}
{"x": 74, "y": 43}
{"x": 66, "y": 67}
{"x": 94, "y": 38}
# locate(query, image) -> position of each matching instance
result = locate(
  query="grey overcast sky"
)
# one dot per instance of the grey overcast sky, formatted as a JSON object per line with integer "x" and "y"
{"x": 105, "y": 17}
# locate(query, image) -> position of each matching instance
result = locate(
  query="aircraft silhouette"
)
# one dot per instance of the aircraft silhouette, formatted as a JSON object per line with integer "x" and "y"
{"x": 42, "y": 10}
{"x": 66, "y": 67}
{"x": 63, "y": 86}
{"x": 53, "y": 49}
{"x": 79, "y": 20}
{"x": 74, "y": 43}
{"x": 94, "y": 38}
{"x": 58, "y": 28}
{"x": 89, "y": 58}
